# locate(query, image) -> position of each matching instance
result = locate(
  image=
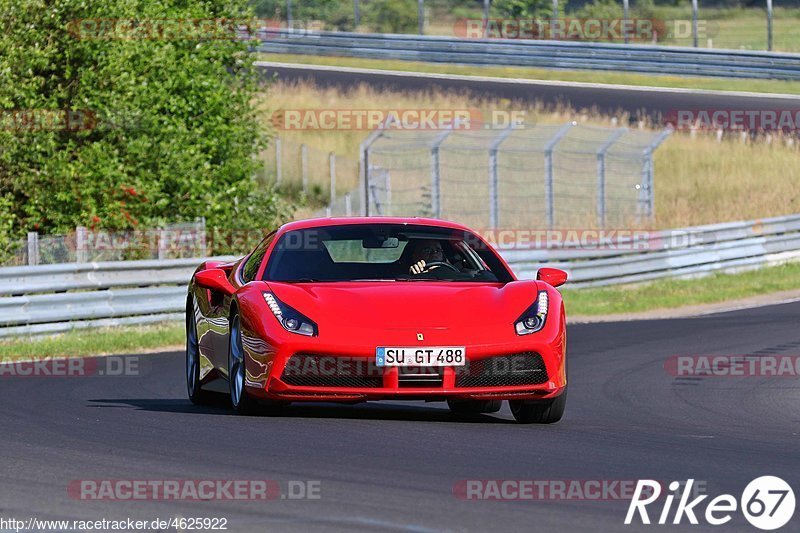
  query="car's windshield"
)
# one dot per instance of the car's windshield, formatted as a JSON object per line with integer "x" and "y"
{"x": 403, "y": 252}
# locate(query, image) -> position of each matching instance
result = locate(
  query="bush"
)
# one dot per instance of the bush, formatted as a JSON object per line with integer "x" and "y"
{"x": 526, "y": 9}
{"x": 392, "y": 16}
{"x": 175, "y": 136}
{"x": 601, "y": 9}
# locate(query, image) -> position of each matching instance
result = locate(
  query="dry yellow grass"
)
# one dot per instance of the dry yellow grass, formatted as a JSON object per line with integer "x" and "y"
{"x": 698, "y": 180}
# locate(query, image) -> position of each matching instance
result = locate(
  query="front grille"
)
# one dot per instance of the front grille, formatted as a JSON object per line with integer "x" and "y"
{"x": 415, "y": 377}
{"x": 524, "y": 368}
{"x": 313, "y": 370}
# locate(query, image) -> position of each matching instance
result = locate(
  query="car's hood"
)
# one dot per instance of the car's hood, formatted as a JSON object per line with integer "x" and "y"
{"x": 417, "y": 304}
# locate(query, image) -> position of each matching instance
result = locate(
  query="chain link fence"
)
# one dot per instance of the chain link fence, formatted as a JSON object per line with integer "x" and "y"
{"x": 174, "y": 241}
{"x": 545, "y": 176}
{"x": 321, "y": 175}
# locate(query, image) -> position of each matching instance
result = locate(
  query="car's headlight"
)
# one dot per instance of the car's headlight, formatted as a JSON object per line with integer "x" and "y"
{"x": 291, "y": 319}
{"x": 533, "y": 319}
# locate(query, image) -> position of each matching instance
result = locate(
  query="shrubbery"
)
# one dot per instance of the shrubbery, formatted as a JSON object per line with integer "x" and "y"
{"x": 176, "y": 132}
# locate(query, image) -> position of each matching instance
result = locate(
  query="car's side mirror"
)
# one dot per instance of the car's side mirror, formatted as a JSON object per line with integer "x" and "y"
{"x": 552, "y": 276}
{"x": 214, "y": 279}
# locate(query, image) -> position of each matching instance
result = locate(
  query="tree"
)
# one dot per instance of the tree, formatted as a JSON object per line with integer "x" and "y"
{"x": 160, "y": 124}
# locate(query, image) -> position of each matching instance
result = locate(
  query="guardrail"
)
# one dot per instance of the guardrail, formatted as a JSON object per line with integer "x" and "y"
{"x": 688, "y": 252}
{"x": 645, "y": 59}
{"x": 55, "y": 298}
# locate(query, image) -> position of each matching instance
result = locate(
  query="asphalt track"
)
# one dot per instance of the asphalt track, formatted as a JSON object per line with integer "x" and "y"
{"x": 392, "y": 466}
{"x": 652, "y": 103}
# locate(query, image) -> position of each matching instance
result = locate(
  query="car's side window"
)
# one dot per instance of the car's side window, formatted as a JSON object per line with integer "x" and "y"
{"x": 250, "y": 268}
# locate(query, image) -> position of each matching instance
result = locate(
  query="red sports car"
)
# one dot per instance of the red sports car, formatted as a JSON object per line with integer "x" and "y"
{"x": 359, "y": 309}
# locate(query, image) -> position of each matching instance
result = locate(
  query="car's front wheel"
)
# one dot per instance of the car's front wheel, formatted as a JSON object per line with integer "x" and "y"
{"x": 474, "y": 407}
{"x": 237, "y": 373}
{"x": 196, "y": 394}
{"x": 539, "y": 411}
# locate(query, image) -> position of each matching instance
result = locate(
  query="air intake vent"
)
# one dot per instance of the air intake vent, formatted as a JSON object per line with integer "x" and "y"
{"x": 524, "y": 368}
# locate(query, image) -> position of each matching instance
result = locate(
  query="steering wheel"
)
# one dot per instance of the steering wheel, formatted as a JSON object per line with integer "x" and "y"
{"x": 439, "y": 264}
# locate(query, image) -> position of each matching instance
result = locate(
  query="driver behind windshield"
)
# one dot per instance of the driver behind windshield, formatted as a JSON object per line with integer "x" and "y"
{"x": 426, "y": 252}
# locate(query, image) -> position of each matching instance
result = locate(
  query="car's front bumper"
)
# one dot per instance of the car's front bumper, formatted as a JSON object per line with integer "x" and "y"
{"x": 271, "y": 377}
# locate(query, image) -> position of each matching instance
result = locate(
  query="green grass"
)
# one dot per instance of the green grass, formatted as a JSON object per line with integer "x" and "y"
{"x": 738, "y": 28}
{"x": 614, "y": 78}
{"x": 119, "y": 340}
{"x": 671, "y": 294}
{"x": 726, "y": 27}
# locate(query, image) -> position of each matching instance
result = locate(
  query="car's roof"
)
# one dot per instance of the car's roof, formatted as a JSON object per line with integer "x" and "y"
{"x": 341, "y": 221}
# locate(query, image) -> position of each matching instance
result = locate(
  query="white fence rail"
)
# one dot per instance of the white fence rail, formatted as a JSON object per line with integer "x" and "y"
{"x": 55, "y": 298}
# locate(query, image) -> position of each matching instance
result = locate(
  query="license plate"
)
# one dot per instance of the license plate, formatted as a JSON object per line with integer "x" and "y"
{"x": 416, "y": 356}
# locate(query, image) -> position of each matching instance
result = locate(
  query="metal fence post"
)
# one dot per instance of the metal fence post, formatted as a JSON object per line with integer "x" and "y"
{"x": 648, "y": 174}
{"x": 289, "y": 14}
{"x": 348, "y": 205}
{"x": 278, "y": 165}
{"x": 553, "y": 21}
{"x": 163, "y": 238}
{"x": 421, "y": 16}
{"x": 769, "y": 25}
{"x": 493, "y": 179}
{"x": 436, "y": 178}
{"x": 694, "y": 22}
{"x": 364, "y": 166}
{"x": 388, "y": 196}
{"x": 356, "y": 14}
{"x": 644, "y": 187}
{"x": 332, "y": 173}
{"x": 201, "y": 229}
{"x": 33, "y": 248}
{"x": 304, "y": 165}
{"x": 548, "y": 172}
{"x": 625, "y": 14}
{"x": 81, "y": 245}
{"x": 601, "y": 175}
{"x": 363, "y": 161}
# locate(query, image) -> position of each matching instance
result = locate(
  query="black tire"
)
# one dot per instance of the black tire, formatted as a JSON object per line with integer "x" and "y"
{"x": 241, "y": 402}
{"x": 474, "y": 407}
{"x": 197, "y": 395}
{"x": 539, "y": 411}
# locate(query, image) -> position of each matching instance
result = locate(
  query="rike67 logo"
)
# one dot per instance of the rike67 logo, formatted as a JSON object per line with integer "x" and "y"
{"x": 767, "y": 503}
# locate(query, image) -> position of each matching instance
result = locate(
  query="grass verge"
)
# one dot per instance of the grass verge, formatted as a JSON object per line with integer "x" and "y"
{"x": 676, "y": 293}
{"x": 105, "y": 341}
{"x": 586, "y": 76}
